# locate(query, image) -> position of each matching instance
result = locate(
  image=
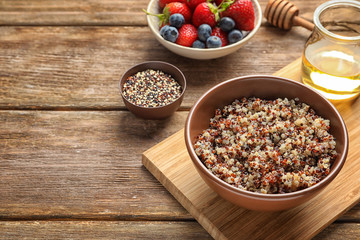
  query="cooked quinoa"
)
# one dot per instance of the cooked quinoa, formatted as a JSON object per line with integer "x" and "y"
{"x": 151, "y": 88}
{"x": 267, "y": 146}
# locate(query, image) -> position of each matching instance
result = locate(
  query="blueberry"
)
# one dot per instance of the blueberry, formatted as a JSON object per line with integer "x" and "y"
{"x": 227, "y": 24}
{"x": 171, "y": 34}
{"x": 163, "y": 29}
{"x": 177, "y": 20}
{"x": 204, "y": 31}
{"x": 198, "y": 44}
{"x": 234, "y": 36}
{"x": 213, "y": 42}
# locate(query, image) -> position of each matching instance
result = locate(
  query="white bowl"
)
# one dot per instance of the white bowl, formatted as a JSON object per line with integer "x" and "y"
{"x": 197, "y": 53}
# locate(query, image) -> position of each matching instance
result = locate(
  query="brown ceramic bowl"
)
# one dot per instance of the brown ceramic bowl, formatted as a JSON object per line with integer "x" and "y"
{"x": 154, "y": 112}
{"x": 266, "y": 87}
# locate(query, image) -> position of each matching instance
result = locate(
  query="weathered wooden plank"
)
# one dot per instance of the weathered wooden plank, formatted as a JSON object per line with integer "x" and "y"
{"x": 85, "y": 165}
{"x": 93, "y": 12}
{"x": 336, "y": 231}
{"x": 68, "y": 12}
{"x": 82, "y": 165}
{"x": 135, "y": 230}
{"x": 353, "y": 215}
{"x": 79, "y": 67}
{"x": 102, "y": 230}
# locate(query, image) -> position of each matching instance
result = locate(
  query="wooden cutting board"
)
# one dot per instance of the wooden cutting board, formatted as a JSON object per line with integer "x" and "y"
{"x": 170, "y": 163}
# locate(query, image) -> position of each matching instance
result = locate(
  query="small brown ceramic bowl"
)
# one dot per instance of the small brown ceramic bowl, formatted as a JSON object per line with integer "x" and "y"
{"x": 265, "y": 87}
{"x": 154, "y": 112}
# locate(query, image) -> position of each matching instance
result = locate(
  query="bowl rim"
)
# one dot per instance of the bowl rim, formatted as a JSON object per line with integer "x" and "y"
{"x": 160, "y": 63}
{"x": 250, "y": 34}
{"x": 271, "y": 196}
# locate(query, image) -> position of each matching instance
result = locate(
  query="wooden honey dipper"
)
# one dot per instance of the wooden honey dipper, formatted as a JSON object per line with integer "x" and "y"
{"x": 284, "y": 14}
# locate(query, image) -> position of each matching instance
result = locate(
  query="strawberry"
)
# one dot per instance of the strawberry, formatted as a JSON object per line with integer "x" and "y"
{"x": 170, "y": 9}
{"x": 178, "y": 7}
{"x": 193, "y": 3}
{"x": 242, "y": 12}
{"x": 221, "y": 34}
{"x": 187, "y": 35}
{"x": 205, "y": 13}
{"x": 162, "y": 3}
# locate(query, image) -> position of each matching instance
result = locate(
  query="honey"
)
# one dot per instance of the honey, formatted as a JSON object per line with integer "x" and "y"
{"x": 334, "y": 73}
{"x": 331, "y": 57}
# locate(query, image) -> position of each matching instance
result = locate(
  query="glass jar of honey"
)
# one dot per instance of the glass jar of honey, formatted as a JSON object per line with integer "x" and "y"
{"x": 331, "y": 57}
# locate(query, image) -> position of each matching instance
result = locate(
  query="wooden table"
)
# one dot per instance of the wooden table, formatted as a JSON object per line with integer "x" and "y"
{"x": 70, "y": 152}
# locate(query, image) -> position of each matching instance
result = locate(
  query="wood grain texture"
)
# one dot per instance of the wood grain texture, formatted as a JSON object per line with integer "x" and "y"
{"x": 224, "y": 220}
{"x": 340, "y": 231}
{"x": 135, "y": 230}
{"x": 82, "y": 165}
{"x": 80, "y": 67}
{"x": 92, "y": 12}
{"x": 68, "y": 12}
{"x": 101, "y": 230}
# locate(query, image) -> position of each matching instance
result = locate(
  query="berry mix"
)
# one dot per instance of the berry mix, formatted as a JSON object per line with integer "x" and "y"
{"x": 205, "y": 23}
{"x": 267, "y": 146}
{"x": 151, "y": 88}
